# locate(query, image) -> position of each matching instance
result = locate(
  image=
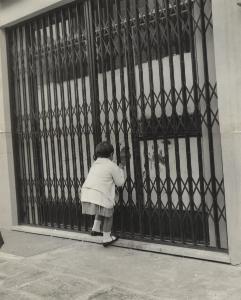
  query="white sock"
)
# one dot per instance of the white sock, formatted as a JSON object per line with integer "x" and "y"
{"x": 96, "y": 226}
{"x": 106, "y": 237}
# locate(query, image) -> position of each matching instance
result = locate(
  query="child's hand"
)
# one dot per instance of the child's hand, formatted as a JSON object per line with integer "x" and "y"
{"x": 121, "y": 165}
{"x": 116, "y": 196}
{"x": 123, "y": 156}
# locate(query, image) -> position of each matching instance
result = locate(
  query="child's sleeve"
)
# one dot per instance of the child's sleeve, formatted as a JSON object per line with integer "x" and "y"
{"x": 118, "y": 175}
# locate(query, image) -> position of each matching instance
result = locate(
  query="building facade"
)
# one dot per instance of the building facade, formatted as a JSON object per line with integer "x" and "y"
{"x": 160, "y": 80}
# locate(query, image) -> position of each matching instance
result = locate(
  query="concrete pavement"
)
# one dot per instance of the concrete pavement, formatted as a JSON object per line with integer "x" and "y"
{"x": 41, "y": 267}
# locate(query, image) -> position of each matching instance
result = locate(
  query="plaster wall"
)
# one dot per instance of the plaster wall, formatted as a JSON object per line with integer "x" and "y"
{"x": 14, "y": 11}
{"x": 8, "y": 208}
{"x": 227, "y": 41}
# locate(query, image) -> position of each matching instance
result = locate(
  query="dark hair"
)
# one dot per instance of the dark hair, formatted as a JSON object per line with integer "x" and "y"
{"x": 103, "y": 149}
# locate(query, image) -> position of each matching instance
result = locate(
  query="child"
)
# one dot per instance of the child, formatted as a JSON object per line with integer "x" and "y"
{"x": 98, "y": 191}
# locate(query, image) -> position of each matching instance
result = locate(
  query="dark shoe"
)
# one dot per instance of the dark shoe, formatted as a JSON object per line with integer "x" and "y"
{"x": 114, "y": 239}
{"x": 96, "y": 233}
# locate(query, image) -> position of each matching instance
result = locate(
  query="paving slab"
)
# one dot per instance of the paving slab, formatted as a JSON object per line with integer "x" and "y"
{"x": 112, "y": 293}
{"x": 23, "y": 244}
{"x": 66, "y": 269}
{"x": 10, "y": 295}
{"x": 60, "y": 287}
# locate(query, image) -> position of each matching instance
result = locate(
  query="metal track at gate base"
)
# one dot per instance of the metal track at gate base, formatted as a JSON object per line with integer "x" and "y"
{"x": 161, "y": 249}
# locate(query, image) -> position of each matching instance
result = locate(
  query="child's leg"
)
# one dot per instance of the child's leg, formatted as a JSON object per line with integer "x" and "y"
{"x": 107, "y": 237}
{"x": 107, "y": 225}
{"x": 97, "y": 223}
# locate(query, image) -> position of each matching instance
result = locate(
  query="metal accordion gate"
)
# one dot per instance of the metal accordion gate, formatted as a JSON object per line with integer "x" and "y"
{"x": 141, "y": 74}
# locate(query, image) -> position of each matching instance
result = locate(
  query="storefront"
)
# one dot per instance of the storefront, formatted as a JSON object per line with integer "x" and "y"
{"x": 141, "y": 74}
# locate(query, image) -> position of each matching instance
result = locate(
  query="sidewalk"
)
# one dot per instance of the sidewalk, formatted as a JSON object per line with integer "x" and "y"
{"x": 40, "y": 267}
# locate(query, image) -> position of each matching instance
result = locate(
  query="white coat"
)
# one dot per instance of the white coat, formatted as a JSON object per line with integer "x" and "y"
{"x": 99, "y": 186}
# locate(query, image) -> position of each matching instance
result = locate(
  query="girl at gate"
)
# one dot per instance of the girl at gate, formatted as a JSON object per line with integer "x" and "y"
{"x": 98, "y": 191}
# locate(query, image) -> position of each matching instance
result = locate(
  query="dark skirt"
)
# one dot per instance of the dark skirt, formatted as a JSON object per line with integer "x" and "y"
{"x": 94, "y": 209}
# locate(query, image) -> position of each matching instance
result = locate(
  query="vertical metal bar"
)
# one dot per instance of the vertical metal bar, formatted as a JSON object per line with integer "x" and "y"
{"x": 71, "y": 19}
{"x": 81, "y": 41}
{"x": 69, "y": 131}
{"x": 17, "y": 128}
{"x": 124, "y": 110}
{"x": 197, "y": 115}
{"x": 159, "y": 25}
{"x": 43, "y": 115}
{"x": 48, "y": 71}
{"x": 156, "y": 154}
{"x": 63, "y": 131}
{"x": 153, "y": 116}
{"x": 133, "y": 116}
{"x": 35, "y": 125}
{"x": 185, "y": 114}
{"x": 143, "y": 105}
{"x": 54, "y": 115}
{"x": 76, "y": 42}
{"x": 54, "y": 50}
{"x": 28, "y": 118}
{"x": 64, "y": 76}
{"x": 114, "y": 99}
{"x": 209, "y": 121}
{"x": 174, "y": 113}
{"x": 101, "y": 37}
{"x": 113, "y": 84}
{"x": 93, "y": 73}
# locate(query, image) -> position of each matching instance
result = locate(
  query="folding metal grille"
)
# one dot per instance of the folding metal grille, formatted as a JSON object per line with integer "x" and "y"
{"x": 140, "y": 74}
